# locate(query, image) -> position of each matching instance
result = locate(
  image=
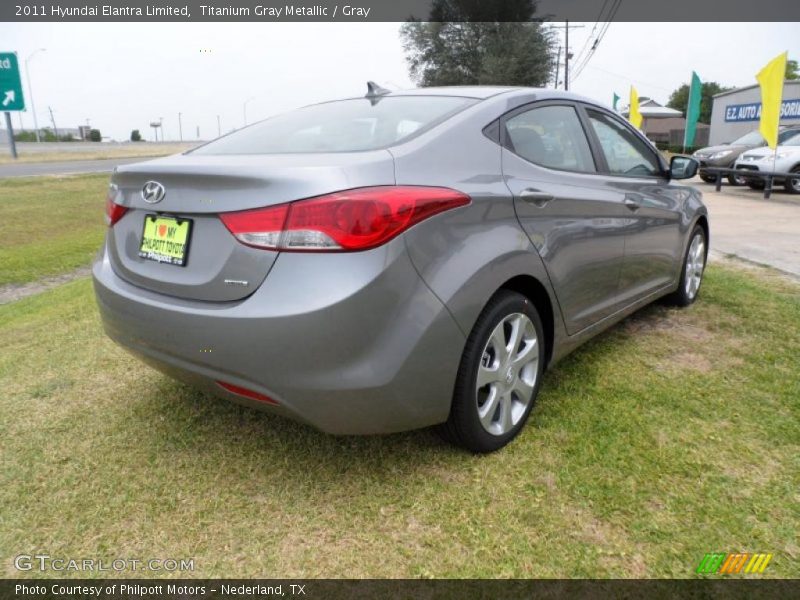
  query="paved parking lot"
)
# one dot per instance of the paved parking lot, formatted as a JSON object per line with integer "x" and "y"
{"x": 758, "y": 230}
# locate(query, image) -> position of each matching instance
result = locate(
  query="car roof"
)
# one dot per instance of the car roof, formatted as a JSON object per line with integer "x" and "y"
{"x": 486, "y": 92}
{"x": 469, "y": 91}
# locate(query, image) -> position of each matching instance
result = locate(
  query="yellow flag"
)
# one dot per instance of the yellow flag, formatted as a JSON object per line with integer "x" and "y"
{"x": 770, "y": 78}
{"x": 634, "y": 116}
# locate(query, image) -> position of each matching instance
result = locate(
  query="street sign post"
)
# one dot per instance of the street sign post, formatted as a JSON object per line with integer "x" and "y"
{"x": 11, "y": 98}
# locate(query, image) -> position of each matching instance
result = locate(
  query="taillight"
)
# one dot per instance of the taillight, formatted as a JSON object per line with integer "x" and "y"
{"x": 114, "y": 211}
{"x": 351, "y": 220}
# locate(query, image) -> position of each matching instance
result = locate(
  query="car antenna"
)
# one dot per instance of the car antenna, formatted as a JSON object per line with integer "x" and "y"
{"x": 374, "y": 92}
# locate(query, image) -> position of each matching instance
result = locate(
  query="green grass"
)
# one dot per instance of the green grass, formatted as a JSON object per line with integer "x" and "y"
{"x": 80, "y": 152}
{"x": 50, "y": 225}
{"x": 675, "y": 434}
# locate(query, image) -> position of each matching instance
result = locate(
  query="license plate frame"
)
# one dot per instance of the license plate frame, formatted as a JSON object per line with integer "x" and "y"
{"x": 171, "y": 257}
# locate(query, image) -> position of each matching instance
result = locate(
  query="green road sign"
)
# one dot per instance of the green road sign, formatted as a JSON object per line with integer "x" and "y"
{"x": 10, "y": 83}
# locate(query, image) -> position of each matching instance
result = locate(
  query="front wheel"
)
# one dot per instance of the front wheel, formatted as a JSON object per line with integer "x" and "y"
{"x": 792, "y": 184}
{"x": 694, "y": 264}
{"x": 708, "y": 178}
{"x": 499, "y": 375}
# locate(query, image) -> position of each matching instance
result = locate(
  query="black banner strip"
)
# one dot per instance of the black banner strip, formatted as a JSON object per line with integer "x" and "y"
{"x": 400, "y": 10}
{"x": 396, "y": 589}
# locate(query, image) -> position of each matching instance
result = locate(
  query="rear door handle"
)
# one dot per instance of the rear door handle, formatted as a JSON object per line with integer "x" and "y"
{"x": 632, "y": 203}
{"x": 535, "y": 197}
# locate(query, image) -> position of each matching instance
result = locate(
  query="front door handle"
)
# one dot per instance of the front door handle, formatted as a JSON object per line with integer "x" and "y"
{"x": 535, "y": 197}
{"x": 632, "y": 203}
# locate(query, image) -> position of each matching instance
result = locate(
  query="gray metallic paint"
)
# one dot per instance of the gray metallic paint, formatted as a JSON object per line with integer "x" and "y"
{"x": 370, "y": 342}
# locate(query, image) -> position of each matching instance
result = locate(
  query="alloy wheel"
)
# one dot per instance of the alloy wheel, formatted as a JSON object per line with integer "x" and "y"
{"x": 695, "y": 263}
{"x": 507, "y": 374}
{"x": 794, "y": 183}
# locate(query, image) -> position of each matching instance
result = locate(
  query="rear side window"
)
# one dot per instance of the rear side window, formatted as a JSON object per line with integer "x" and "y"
{"x": 626, "y": 154}
{"x": 342, "y": 126}
{"x": 550, "y": 136}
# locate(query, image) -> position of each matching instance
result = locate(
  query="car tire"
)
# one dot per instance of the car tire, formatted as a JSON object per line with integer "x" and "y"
{"x": 792, "y": 185}
{"x": 755, "y": 185}
{"x": 736, "y": 180}
{"x": 694, "y": 264}
{"x": 499, "y": 375}
{"x": 708, "y": 178}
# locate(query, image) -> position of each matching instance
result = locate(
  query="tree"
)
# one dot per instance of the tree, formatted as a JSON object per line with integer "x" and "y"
{"x": 470, "y": 42}
{"x": 680, "y": 98}
{"x": 792, "y": 70}
{"x": 136, "y": 136}
{"x": 94, "y": 135}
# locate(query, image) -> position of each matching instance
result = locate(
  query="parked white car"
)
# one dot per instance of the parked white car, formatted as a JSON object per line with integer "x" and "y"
{"x": 785, "y": 160}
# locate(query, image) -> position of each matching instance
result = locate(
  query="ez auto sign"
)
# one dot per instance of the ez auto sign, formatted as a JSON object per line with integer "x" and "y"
{"x": 10, "y": 83}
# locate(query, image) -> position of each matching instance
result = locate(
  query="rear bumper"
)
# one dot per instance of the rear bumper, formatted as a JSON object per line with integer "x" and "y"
{"x": 351, "y": 343}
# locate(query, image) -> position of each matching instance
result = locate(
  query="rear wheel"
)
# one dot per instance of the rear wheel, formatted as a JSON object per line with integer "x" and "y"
{"x": 499, "y": 375}
{"x": 792, "y": 184}
{"x": 755, "y": 184}
{"x": 694, "y": 264}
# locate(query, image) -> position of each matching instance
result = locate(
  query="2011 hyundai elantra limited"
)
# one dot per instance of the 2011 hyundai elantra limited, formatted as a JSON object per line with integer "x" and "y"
{"x": 398, "y": 260}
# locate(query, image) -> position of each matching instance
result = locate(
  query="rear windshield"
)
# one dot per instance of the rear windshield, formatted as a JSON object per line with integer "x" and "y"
{"x": 342, "y": 126}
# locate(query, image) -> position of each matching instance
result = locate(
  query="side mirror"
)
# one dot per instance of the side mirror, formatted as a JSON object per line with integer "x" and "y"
{"x": 683, "y": 167}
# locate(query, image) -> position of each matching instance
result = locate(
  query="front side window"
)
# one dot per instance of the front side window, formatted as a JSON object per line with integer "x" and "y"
{"x": 551, "y": 136}
{"x": 626, "y": 154}
{"x": 342, "y": 126}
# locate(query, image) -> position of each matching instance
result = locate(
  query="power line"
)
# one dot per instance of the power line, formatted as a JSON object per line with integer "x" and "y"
{"x": 603, "y": 30}
{"x": 580, "y": 54}
{"x": 628, "y": 78}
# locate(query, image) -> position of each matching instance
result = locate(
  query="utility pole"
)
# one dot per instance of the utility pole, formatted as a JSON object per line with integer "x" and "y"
{"x": 30, "y": 92}
{"x": 53, "y": 119}
{"x": 161, "y": 127}
{"x": 180, "y": 127}
{"x": 558, "y": 65}
{"x": 567, "y": 54}
{"x": 219, "y": 127}
{"x": 244, "y": 109}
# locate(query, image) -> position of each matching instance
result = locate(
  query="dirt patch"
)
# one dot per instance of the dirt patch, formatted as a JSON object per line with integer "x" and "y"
{"x": 17, "y": 291}
{"x": 690, "y": 361}
{"x": 664, "y": 321}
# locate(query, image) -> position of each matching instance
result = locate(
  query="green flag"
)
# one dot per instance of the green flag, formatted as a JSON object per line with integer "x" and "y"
{"x": 614, "y": 103}
{"x": 692, "y": 111}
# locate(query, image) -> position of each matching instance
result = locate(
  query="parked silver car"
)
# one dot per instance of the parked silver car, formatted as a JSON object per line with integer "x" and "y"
{"x": 400, "y": 260}
{"x": 725, "y": 155}
{"x": 784, "y": 159}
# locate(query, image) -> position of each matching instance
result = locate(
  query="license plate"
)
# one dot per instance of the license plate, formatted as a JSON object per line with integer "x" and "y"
{"x": 165, "y": 239}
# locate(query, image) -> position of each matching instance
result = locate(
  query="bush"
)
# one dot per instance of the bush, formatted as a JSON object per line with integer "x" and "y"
{"x": 94, "y": 135}
{"x": 45, "y": 135}
{"x": 667, "y": 147}
{"x": 136, "y": 136}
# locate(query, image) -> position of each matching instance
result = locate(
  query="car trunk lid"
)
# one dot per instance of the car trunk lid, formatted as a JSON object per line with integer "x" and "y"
{"x": 199, "y": 188}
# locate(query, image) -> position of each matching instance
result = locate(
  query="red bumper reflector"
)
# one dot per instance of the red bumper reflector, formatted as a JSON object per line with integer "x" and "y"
{"x": 240, "y": 391}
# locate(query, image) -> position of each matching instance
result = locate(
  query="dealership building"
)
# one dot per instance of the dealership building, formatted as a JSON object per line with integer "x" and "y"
{"x": 737, "y": 112}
